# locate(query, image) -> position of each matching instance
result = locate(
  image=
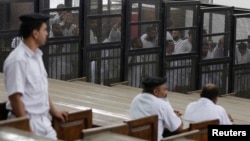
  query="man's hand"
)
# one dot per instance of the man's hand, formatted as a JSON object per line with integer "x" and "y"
{"x": 61, "y": 115}
{"x": 230, "y": 117}
{"x": 178, "y": 113}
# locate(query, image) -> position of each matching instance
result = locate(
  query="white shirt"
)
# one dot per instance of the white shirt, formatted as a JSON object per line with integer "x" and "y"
{"x": 16, "y": 41}
{"x": 56, "y": 19}
{"x": 177, "y": 45}
{"x": 92, "y": 37}
{"x": 24, "y": 72}
{"x": 68, "y": 31}
{"x": 169, "y": 36}
{"x": 185, "y": 47}
{"x": 114, "y": 35}
{"x": 205, "y": 109}
{"x": 146, "y": 104}
{"x": 146, "y": 43}
{"x": 242, "y": 59}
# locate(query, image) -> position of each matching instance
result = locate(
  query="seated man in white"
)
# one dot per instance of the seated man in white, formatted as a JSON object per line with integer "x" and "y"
{"x": 186, "y": 45}
{"x": 242, "y": 54}
{"x": 218, "y": 51}
{"x": 153, "y": 101}
{"x": 206, "y": 108}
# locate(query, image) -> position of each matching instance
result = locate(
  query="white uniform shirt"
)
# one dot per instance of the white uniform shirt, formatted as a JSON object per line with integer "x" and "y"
{"x": 24, "y": 72}
{"x": 205, "y": 109}
{"x": 146, "y": 104}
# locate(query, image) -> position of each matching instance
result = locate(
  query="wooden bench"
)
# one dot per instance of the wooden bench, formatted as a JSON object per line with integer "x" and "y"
{"x": 110, "y": 136}
{"x": 185, "y": 136}
{"x": 13, "y": 134}
{"x": 4, "y": 112}
{"x": 71, "y": 129}
{"x": 21, "y": 123}
{"x": 144, "y": 128}
{"x": 117, "y": 128}
{"x": 202, "y": 126}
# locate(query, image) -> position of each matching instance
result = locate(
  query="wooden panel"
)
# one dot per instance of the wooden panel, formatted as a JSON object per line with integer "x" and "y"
{"x": 144, "y": 128}
{"x": 13, "y": 134}
{"x": 109, "y": 136}
{"x": 182, "y": 136}
{"x": 203, "y": 127}
{"x": 71, "y": 129}
{"x": 4, "y": 112}
{"x": 118, "y": 128}
{"x": 203, "y": 124}
{"x": 21, "y": 123}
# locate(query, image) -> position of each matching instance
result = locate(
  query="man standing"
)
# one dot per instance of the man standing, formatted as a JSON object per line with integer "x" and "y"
{"x": 152, "y": 101}
{"x": 177, "y": 41}
{"x": 26, "y": 78}
{"x": 149, "y": 39}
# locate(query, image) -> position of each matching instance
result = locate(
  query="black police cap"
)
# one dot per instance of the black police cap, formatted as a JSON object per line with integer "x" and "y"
{"x": 151, "y": 82}
{"x": 34, "y": 17}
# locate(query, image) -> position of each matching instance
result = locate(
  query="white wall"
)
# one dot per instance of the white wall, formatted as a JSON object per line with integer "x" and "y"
{"x": 235, "y": 3}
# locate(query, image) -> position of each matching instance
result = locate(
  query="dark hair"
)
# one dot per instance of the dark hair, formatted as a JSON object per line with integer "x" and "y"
{"x": 210, "y": 91}
{"x": 148, "y": 90}
{"x": 150, "y": 28}
{"x": 242, "y": 46}
{"x": 26, "y": 28}
{"x": 150, "y": 83}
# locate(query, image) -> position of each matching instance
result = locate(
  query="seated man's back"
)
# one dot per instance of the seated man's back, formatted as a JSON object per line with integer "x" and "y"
{"x": 205, "y": 108}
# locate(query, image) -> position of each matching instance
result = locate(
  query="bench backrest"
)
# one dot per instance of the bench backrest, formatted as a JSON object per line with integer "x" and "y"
{"x": 117, "y": 128}
{"x": 4, "y": 112}
{"x": 71, "y": 129}
{"x": 21, "y": 123}
{"x": 203, "y": 126}
{"x": 182, "y": 136}
{"x": 144, "y": 128}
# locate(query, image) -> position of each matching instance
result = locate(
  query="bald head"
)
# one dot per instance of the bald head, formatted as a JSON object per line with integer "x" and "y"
{"x": 210, "y": 91}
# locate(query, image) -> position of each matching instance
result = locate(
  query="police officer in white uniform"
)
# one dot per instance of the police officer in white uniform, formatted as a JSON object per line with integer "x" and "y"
{"x": 206, "y": 108}
{"x": 26, "y": 78}
{"x": 153, "y": 102}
